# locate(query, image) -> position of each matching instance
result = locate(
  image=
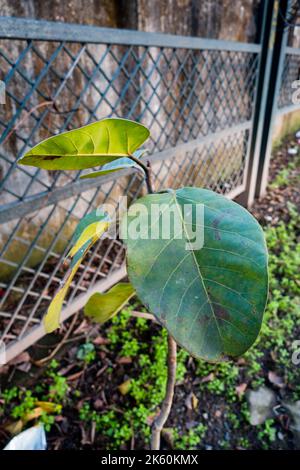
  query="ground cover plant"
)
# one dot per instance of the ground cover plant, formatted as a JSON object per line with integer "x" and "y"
{"x": 136, "y": 348}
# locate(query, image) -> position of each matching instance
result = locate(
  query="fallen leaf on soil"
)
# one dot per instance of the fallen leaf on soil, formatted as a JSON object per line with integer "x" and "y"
{"x": 191, "y": 401}
{"x": 124, "y": 387}
{"x": 240, "y": 389}
{"x": 82, "y": 328}
{"x": 15, "y": 427}
{"x": 75, "y": 376}
{"x": 124, "y": 360}
{"x": 43, "y": 406}
{"x": 65, "y": 370}
{"x": 100, "y": 340}
{"x": 275, "y": 379}
{"x": 208, "y": 378}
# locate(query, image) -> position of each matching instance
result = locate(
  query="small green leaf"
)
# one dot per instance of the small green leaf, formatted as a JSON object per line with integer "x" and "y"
{"x": 212, "y": 298}
{"x": 88, "y": 231}
{"x": 116, "y": 165}
{"x": 102, "y": 307}
{"x": 88, "y": 146}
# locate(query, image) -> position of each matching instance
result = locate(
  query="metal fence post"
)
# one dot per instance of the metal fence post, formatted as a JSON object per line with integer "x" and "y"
{"x": 273, "y": 86}
{"x": 261, "y": 121}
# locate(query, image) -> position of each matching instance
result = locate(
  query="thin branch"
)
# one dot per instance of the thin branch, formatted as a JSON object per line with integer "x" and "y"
{"x": 148, "y": 172}
{"x": 147, "y": 316}
{"x": 160, "y": 420}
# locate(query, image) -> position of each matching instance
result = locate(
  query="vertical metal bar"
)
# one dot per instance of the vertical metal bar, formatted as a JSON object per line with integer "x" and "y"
{"x": 257, "y": 137}
{"x": 273, "y": 86}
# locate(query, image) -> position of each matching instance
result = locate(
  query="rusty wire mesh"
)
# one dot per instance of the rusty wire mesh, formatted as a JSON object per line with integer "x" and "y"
{"x": 183, "y": 95}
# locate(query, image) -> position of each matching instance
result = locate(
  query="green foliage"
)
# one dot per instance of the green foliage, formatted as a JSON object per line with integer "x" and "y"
{"x": 27, "y": 404}
{"x": 191, "y": 439}
{"x": 146, "y": 388}
{"x": 285, "y": 175}
{"x": 146, "y": 345}
{"x": 86, "y": 352}
{"x": 9, "y": 394}
{"x": 191, "y": 290}
{"x": 223, "y": 378}
{"x": 88, "y": 146}
{"x": 211, "y": 298}
{"x": 101, "y": 307}
{"x": 267, "y": 433}
{"x": 58, "y": 388}
{"x": 41, "y": 405}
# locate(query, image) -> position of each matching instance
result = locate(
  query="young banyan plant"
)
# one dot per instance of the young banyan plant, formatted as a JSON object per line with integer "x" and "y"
{"x": 211, "y": 298}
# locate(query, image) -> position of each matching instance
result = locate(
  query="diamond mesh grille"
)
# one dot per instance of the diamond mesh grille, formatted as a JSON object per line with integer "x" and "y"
{"x": 180, "y": 94}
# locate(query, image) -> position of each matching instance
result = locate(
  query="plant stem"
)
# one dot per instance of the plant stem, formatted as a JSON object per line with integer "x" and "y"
{"x": 162, "y": 417}
{"x": 147, "y": 170}
{"x": 160, "y": 420}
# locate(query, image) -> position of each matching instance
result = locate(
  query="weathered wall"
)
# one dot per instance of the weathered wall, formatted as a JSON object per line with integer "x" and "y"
{"x": 208, "y": 18}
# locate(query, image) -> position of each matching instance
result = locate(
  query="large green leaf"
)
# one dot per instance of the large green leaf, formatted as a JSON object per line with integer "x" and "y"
{"x": 88, "y": 146}
{"x": 102, "y": 307}
{"x": 210, "y": 299}
{"x": 88, "y": 231}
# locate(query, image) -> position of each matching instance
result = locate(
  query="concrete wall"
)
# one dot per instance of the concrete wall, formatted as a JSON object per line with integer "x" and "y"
{"x": 285, "y": 124}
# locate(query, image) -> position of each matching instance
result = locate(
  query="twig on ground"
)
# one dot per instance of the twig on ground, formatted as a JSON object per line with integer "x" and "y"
{"x": 147, "y": 316}
{"x": 161, "y": 419}
{"x": 41, "y": 362}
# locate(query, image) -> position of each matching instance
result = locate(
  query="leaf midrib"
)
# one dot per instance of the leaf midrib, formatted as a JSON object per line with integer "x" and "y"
{"x": 199, "y": 271}
{"x": 119, "y": 154}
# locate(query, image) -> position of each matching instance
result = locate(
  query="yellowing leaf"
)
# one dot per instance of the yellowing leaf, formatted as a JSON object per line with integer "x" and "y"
{"x": 51, "y": 320}
{"x": 88, "y": 146}
{"x": 49, "y": 406}
{"x": 15, "y": 427}
{"x": 88, "y": 231}
{"x": 125, "y": 387}
{"x": 91, "y": 232}
{"x": 102, "y": 307}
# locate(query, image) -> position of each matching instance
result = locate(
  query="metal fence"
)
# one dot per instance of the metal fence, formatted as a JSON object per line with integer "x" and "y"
{"x": 200, "y": 98}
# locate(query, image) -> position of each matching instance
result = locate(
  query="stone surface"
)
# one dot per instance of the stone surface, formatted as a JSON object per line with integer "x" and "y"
{"x": 261, "y": 402}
